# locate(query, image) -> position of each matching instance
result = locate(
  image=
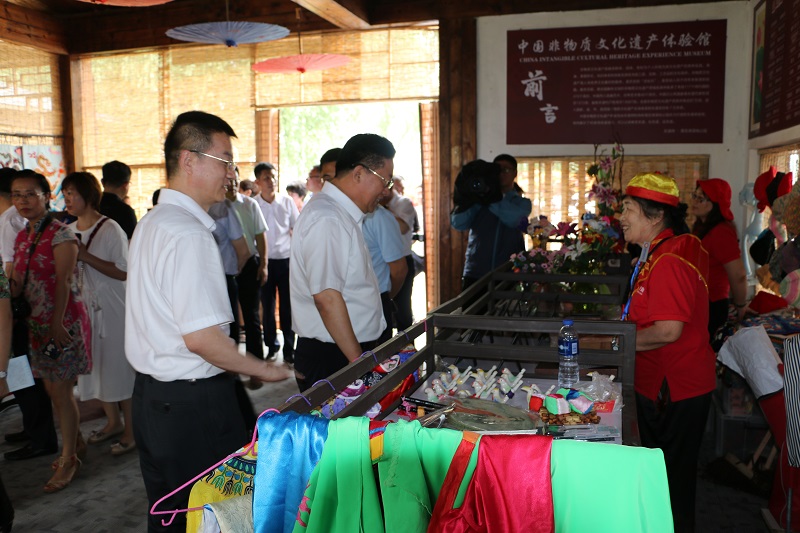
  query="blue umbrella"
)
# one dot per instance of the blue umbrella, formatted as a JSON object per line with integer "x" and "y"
{"x": 228, "y": 33}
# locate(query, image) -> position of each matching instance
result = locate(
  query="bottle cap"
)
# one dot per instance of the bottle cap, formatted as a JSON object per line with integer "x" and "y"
{"x": 568, "y": 322}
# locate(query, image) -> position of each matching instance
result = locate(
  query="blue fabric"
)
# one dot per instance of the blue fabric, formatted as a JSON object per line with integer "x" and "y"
{"x": 385, "y": 242}
{"x": 289, "y": 447}
{"x": 494, "y": 232}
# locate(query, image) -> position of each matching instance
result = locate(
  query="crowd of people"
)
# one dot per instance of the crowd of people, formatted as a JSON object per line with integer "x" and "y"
{"x": 148, "y": 322}
{"x": 142, "y": 318}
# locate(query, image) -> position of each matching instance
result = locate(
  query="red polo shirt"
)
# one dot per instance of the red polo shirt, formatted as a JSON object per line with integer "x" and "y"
{"x": 722, "y": 245}
{"x": 672, "y": 286}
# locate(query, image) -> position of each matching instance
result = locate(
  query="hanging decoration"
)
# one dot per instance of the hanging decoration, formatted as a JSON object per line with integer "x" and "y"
{"x": 301, "y": 63}
{"x": 228, "y": 33}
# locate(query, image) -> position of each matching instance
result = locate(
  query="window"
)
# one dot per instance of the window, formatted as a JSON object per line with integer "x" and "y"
{"x": 558, "y": 186}
{"x": 129, "y": 100}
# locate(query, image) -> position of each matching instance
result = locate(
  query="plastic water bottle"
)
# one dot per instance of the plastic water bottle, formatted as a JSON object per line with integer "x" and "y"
{"x": 567, "y": 355}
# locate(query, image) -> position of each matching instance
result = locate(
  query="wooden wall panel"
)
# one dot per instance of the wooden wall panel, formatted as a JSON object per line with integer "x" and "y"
{"x": 32, "y": 28}
{"x": 458, "y": 140}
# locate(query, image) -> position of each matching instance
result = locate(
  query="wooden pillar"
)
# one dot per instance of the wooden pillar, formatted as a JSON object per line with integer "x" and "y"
{"x": 67, "y": 84}
{"x": 458, "y": 102}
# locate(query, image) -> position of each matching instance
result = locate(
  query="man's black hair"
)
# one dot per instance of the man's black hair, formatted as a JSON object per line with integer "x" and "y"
{"x": 367, "y": 149}
{"x": 331, "y": 156}
{"x": 506, "y": 157}
{"x": 261, "y": 167}
{"x": 192, "y": 130}
{"x": 116, "y": 174}
{"x": 6, "y": 177}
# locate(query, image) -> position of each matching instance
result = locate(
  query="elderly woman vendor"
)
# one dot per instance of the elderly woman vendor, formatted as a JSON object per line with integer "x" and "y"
{"x": 669, "y": 304}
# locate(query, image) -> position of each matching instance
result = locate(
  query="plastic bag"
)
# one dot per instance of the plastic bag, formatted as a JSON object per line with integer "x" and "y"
{"x": 603, "y": 390}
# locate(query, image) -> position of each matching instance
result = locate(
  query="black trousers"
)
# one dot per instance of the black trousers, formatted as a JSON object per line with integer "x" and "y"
{"x": 278, "y": 281}
{"x": 248, "y": 292}
{"x": 717, "y": 316}
{"x": 317, "y": 360}
{"x": 677, "y": 429}
{"x": 34, "y": 402}
{"x": 181, "y": 429}
{"x": 233, "y": 296}
{"x": 388, "y": 314}
{"x": 6, "y": 509}
{"x": 403, "y": 317}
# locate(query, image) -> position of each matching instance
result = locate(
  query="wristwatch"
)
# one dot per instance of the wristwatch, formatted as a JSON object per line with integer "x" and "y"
{"x": 3, "y": 374}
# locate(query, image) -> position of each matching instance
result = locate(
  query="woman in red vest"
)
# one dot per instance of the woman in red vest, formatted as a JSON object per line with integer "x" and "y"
{"x": 675, "y": 366}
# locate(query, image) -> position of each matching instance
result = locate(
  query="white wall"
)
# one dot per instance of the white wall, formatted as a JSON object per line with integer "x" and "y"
{"x": 730, "y": 159}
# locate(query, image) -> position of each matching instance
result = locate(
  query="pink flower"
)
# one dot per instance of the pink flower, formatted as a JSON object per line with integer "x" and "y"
{"x": 563, "y": 229}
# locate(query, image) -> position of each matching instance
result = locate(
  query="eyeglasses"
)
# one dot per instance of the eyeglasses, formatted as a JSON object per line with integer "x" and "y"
{"x": 699, "y": 198}
{"x": 230, "y": 164}
{"x": 387, "y": 184}
{"x": 17, "y": 196}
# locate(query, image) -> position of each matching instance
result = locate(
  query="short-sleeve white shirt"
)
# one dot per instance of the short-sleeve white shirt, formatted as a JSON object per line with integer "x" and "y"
{"x": 250, "y": 218}
{"x": 176, "y": 286}
{"x": 11, "y": 223}
{"x": 402, "y": 208}
{"x": 329, "y": 252}
{"x": 281, "y": 215}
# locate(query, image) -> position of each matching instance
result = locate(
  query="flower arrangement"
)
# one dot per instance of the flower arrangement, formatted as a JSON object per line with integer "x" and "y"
{"x": 583, "y": 250}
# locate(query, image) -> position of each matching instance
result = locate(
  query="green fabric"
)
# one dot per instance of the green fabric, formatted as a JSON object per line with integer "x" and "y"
{"x": 341, "y": 494}
{"x": 609, "y": 488}
{"x": 412, "y": 469}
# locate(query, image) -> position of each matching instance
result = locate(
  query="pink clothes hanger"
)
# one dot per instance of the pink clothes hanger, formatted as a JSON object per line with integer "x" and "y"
{"x": 247, "y": 449}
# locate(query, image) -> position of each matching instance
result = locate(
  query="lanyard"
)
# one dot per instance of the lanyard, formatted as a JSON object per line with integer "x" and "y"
{"x": 643, "y": 257}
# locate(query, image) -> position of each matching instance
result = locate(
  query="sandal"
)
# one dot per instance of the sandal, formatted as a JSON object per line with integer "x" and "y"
{"x": 121, "y": 448}
{"x": 64, "y": 463}
{"x": 80, "y": 450}
{"x": 101, "y": 436}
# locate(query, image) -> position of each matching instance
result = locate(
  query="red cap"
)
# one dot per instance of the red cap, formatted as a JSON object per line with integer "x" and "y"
{"x": 770, "y": 186}
{"x": 719, "y": 192}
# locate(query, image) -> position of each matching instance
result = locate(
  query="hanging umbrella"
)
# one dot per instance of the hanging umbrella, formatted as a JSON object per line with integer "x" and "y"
{"x": 301, "y": 63}
{"x": 127, "y": 3}
{"x": 228, "y": 33}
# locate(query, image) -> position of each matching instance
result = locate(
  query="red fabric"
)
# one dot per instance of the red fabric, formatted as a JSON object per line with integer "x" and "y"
{"x": 510, "y": 489}
{"x": 765, "y": 302}
{"x": 672, "y": 286}
{"x": 722, "y": 246}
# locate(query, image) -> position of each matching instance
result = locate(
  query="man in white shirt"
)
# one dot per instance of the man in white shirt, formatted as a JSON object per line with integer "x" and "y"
{"x": 11, "y": 222}
{"x": 176, "y": 316}
{"x": 254, "y": 272}
{"x": 403, "y": 210}
{"x": 314, "y": 183}
{"x": 280, "y": 213}
{"x": 335, "y": 297}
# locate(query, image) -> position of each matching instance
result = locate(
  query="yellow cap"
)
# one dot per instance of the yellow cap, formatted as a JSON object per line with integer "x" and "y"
{"x": 657, "y": 187}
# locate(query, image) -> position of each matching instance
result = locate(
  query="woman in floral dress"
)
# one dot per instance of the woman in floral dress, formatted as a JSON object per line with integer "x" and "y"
{"x": 45, "y": 256}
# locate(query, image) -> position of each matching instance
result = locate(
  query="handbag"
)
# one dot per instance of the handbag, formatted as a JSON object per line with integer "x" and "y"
{"x": 20, "y": 307}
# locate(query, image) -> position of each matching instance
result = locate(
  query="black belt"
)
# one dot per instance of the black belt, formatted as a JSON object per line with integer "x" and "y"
{"x": 195, "y": 381}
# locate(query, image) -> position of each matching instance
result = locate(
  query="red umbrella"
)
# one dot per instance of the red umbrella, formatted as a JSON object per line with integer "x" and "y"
{"x": 301, "y": 63}
{"x": 128, "y": 3}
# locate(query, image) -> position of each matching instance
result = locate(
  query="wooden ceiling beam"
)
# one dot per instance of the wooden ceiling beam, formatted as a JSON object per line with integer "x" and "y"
{"x": 28, "y": 27}
{"x": 408, "y": 11}
{"x": 344, "y": 14}
{"x": 132, "y": 28}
